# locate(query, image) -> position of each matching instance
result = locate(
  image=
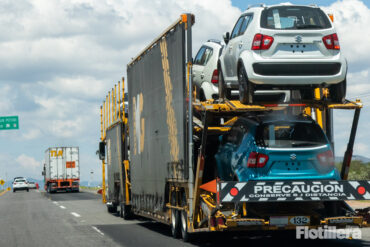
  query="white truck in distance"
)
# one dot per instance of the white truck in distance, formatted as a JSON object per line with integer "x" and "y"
{"x": 61, "y": 169}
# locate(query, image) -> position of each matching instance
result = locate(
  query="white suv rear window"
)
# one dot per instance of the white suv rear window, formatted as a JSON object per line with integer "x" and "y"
{"x": 294, "y": 17}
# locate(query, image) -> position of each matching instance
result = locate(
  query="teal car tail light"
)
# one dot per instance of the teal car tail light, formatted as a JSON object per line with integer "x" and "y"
{"x": 257, "y": 160}
{"x": 326, "y": 158}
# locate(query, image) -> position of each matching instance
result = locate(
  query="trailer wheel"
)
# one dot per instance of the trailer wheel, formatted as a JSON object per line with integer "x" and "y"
{"x": 184, "y": 226}
{"x": 186, "y": 236}
{"x": 125, "y": 211}
{"x": 112, "y": 209}
{"x": 175, "y": 223}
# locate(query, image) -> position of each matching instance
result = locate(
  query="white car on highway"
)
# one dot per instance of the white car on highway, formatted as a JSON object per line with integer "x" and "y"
{"x": 205, "y": 74}
{"x": 32, "y": 185}
{"x": 282, "y": 47}
{"x": 20, "y": 184}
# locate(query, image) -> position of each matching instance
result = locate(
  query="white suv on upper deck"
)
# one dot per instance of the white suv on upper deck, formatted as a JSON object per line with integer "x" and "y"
{"x": 282, "y": 47}
{"x": 205, "y": 74}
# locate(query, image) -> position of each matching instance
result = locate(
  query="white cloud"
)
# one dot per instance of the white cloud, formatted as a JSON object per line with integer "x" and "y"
{"x": 32, "y": 134}
{"x": 352, "y": 18}
{"x": 28, "y": 162}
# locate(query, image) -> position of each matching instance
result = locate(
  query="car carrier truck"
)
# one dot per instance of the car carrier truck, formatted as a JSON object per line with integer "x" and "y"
{"x": 160, "y": 157}
{"x": 62, "y": 169}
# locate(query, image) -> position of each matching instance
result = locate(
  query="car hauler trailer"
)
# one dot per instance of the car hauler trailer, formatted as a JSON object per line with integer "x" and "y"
{"x": 62, "y": 169}
{"x": 164, "y": 167}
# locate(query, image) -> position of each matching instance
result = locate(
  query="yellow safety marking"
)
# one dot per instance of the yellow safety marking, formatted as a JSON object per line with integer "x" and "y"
{"x": 2, "y": 193}
{"x": 244, "y": 209}
{"x": 171, "y": 120}
{"x": 307, "y": 111}
{"x": 231, "y": 121}
{"x": 318, "y": 112}
{"x": 349, "y": 105}
{"x": 127, "y": 167}
{"x": 221, "y": 129}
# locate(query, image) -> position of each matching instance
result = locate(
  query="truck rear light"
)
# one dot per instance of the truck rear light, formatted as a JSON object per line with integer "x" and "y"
{"x": 252, "y": 160}
{"x": 262, "y": 42}
{"x": 262, "y": 160}
{"x": 220, "y": 221}
{"x": 212, "y": 221}
{"x": 214, "y": 79}
{"x": 326, "y": 158}
{"x": 257, "y": 160}
{"x": 331, "y": 42}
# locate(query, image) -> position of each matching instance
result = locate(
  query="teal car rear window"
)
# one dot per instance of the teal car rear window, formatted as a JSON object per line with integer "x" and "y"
{"x": 289, "y": 134}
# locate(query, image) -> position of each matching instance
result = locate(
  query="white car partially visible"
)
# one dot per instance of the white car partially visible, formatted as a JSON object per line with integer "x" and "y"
{"x": 205, "y": 73}
{"x": 32, "y": 185}
{"x": 20, "y": 184}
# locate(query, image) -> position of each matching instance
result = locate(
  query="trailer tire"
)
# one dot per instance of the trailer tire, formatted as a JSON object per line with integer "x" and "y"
{"x": 184, "y": 226}
{"x": 223, "y": 92}
{"x": 112, "y": 209}
{"x": 125, "y": 212}
{"x": 175, "y": 223}
{"x": 246, "y": 88}
{"x": 186, "y": 236}
{"x": 337, "y": 92}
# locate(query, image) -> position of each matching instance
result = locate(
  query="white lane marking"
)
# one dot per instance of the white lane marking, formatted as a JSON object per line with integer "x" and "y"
{"x": 56, "y": 203}
{"x": 62, "y": 207}
{"x": 76, "y": 214}
{"x": 96, "y": 229}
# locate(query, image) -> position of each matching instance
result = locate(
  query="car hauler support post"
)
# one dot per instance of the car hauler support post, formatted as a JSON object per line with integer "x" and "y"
{"x": 103, "y": 162}
{"x": 115, "y": 102}
{"x": 106, "y": 115}
{"x": 109, "y": 115}
{"x": 187, "y": 19}
{"x": 329, "y": 127}
{"x": 348, "y": 154}
{"x": 200, "y": 168}
{"x": 318, "y": 112}
{"x": 123, "y": 102}
{"x": 119, "y": 101}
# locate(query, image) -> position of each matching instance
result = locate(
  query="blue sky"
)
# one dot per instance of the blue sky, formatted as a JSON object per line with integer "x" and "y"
{"x": 60, "y": 58}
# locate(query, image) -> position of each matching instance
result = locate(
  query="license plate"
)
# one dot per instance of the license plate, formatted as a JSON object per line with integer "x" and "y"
{"x": 289, "y": 220}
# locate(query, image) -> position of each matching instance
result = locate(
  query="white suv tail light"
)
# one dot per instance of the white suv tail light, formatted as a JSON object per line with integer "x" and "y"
{"x": 331, "y": 42}
{"x": 214, "y": 79}
{"x": 262, "y": 42}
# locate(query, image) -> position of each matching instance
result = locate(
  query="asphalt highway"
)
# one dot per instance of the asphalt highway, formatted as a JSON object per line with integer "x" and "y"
{"x": 37, "y": 219}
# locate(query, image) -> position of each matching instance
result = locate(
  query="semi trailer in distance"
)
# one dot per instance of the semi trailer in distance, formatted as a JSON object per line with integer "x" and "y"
{"x": 61, "y": 169}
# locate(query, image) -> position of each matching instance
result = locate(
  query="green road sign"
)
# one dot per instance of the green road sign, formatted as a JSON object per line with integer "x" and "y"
{"x": 8, "y": 123}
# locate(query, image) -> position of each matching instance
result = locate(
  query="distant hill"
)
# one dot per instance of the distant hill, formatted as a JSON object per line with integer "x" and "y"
{"x": 361, "y": 158}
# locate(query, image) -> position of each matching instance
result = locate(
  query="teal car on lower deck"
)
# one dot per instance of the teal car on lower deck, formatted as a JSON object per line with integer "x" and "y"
{"x": 275, "y": 148}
